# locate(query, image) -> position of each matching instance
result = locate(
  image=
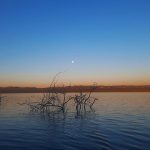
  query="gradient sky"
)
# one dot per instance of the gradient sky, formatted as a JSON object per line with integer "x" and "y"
{"x": 109, "y": 40}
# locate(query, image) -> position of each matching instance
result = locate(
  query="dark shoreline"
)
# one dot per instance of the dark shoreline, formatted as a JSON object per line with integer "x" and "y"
{"x": 74, "y": 89}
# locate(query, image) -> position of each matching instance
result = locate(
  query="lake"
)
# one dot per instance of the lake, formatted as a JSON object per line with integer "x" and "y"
{"x": 117, "y": 121}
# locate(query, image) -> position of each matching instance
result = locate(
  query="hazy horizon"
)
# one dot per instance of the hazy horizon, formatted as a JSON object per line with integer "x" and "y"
{"x": 107, "y": 42}
{"x": 76, "y": 85}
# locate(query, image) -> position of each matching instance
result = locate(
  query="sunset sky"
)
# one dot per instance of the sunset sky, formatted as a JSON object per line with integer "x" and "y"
{"x": 108, "y": 40}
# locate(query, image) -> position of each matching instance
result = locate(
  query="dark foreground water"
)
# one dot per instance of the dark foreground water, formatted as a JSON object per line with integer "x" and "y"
{"x": 121, "y": 121}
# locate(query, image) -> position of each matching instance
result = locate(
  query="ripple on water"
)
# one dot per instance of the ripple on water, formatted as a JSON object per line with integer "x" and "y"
{"x": 116, "y": 125}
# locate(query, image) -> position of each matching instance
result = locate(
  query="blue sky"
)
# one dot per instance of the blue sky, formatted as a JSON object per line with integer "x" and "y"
{"x": 109, "y": 40}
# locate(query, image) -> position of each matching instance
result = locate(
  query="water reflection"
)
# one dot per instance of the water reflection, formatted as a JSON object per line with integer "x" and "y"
{"x": 78, "y": 113}
{"x": 2, "y": 101}
{"x": 54, "y": 104}
{"x": 119, "y": 120}
{"x": 2, "y": 98}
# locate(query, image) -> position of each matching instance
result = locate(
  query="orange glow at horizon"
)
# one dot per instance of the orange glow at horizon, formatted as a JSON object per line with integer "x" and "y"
{"x": 74, "y": 78}
{"x": 43, "y": 84}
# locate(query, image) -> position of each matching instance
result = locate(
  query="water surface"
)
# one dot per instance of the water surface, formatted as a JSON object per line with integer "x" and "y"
{"x": 120, "y": 121}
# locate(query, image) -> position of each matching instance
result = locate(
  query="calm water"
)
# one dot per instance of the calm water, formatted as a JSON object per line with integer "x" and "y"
{"x": 120, "y": 121}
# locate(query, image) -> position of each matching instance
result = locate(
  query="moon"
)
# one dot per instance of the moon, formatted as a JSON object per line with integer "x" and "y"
{"x": 72, "y": 61}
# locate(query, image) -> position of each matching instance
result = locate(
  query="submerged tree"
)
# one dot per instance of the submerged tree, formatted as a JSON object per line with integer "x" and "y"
{"x": 1, "y": 98}
{"x": 56, "y": 99}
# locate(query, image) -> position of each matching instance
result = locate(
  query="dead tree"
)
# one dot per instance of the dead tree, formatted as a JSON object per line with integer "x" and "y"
{"x": 56, "y": 99}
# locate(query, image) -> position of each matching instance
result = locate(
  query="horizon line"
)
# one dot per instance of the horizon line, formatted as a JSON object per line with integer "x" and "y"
{"x": 123, "y": 85}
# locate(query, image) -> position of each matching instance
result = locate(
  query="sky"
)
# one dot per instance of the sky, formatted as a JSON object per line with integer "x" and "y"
{"x": 108, "y": 40}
